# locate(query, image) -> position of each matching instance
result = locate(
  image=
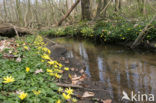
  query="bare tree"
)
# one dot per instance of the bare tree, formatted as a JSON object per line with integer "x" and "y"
{"x": 85, "y": 6}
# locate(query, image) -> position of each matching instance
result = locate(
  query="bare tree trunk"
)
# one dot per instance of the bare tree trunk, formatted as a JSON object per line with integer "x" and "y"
{"x": 116, "y": 5}
{"x": 5, "y": 11}
{"x": 98, "y": 8}
{"x": 19, "y": 15}
{"x": 104, "y": 6}
{"x": 144, "y": 7}
{"x": 68, "y": 13}
{"x": 85, "y": 6}
{"x": 141, "y": 6}
{"x": 28, "y": 14}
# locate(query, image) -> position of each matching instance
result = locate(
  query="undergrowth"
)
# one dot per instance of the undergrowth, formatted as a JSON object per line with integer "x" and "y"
{"x": 106, "y": 31}
{"x": 28, "y": 74}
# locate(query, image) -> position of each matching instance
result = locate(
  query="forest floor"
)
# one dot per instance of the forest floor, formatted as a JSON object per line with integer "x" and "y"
{"x": 38, "y": 74}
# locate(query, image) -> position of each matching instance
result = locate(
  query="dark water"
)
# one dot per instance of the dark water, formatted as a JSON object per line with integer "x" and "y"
{"x": 119, "y": 69}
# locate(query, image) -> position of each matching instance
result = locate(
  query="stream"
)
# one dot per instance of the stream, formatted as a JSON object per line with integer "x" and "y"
{"x": 118, "y": 68}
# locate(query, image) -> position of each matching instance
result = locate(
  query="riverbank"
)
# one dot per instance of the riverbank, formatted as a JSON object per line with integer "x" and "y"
{"x": 117, "y": 32}
{"x": 29, "y": 75}
{"x": 30, "y": 72}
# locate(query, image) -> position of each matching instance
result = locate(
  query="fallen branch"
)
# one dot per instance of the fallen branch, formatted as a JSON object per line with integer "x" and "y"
{"x": 69, "y": 85}
{"x": 142, "y": 34}
{"x": 68, "y": 13}
{"x": 9, "y": 30}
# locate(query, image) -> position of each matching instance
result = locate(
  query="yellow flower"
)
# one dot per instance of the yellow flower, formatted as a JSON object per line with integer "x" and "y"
{"x": 60, "y": 89}
{"x": 123, "y": 38}
{"x": 51, "y": 62}
{"x": 27, "y": 69}
{"x": 69, "y": 76}
{"x": 58, "y": 101}
{"x": 23, "y": 95}
{"x": 49, "y": 71}
{"x": 55, "y": 66}
{"x": 58, "y": 71}
{"x": 25, "y": 47}
{"x": 52, "y": 74}
{"x": 45, "y": 56}
{"x": 66, "y": 96}
{"x": 66, "y": 68}
{"x": 74, "y": 100}
{"x": 8, "y": 79}
{"x": 46, "y": 50}
{"x": 42, "y": 61}
{"x": 55, "y": 62}
{"x": 39, "y": 48}
{"x": 58, "y": 76}
{"x": 36, "y": 92}
{"x": 69, "y": 91}
{"x": 60, "y": 65}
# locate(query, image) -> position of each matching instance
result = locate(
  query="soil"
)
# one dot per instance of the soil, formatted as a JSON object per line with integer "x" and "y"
{"x": 101, "y": 95}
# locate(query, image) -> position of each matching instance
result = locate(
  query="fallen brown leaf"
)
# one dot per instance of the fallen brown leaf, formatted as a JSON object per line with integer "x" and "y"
{"x": 88, "y": 94}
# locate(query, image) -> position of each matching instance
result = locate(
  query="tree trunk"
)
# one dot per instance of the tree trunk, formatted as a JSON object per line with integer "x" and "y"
{"x": 116, "y": 5}
{"x": 98, "y": 9}
{"x": 5, "y": 11}
{"x": 68, "y": 13}
{"x": 19, "y": 15}
{"x": 85, "y": 6}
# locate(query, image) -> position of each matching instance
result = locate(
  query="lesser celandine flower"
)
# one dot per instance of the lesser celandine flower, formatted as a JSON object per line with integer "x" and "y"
{"x": 58, "y": 70}
{"x": 52, "y": 74}
{"x": 66, "y": 68}
{"x": 27, "y": 69}
{"x": 58, "y": 101}
{"x": 36, "y": 92}
{"x": 46, "y": 50}
{"x": 23, "y": 95}
{"x": 66, "y": 96}
{"x": 60, "y": 65}
{"x": 58, "y": 76}
{"x": 69, "y": 91}
{"x": 25, "y": 47}
{"x": 51, "y": 62}
{"x": 55, "y": 66}
{"x": 45, "y": 56}
{"x": 49, "y": 71}
{"x": 8, "y": 79}
{"x": 74, "y": 100}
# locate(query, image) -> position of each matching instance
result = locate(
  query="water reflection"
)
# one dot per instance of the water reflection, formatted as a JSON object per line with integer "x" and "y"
{"x": 117, "y": 68}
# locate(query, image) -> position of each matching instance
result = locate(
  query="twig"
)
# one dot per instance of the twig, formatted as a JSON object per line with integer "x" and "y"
{"x": 15, "y": 31}
{"x": 69, "y": 85}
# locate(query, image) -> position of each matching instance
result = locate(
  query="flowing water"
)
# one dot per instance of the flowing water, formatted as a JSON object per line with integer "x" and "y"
{"x": 118, "y": 68}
